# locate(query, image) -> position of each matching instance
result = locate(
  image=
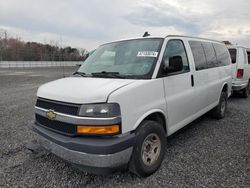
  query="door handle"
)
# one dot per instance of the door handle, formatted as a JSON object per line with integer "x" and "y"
{"x": 192, "y": 80}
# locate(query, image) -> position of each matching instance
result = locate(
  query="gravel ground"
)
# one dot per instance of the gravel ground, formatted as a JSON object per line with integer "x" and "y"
{"x": 206, "y": 153}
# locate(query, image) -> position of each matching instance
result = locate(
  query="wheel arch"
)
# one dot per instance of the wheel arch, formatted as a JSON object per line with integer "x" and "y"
{"x": 225, "y": 88}
{"x": 157, "y": 115}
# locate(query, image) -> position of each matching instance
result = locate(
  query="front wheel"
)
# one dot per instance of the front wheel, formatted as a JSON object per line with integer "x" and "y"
{"x": 219, "y": 111}
{"x": 149, "y": 149}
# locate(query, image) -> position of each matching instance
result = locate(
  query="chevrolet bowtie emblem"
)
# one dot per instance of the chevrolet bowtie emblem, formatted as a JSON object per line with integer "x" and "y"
{"x": 51, "y": 114}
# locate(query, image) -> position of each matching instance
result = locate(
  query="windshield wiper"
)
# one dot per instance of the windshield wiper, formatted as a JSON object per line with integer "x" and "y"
{"x": 108, "y": 74}
{"x": 80, "y": 73}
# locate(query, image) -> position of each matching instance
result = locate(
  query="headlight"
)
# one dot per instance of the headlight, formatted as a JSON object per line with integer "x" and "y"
{"x": 102, "y": 110}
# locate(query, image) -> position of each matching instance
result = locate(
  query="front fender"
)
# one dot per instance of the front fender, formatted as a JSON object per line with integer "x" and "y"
{"x": 145, "y": 115}
{"x": 138, "y": 100}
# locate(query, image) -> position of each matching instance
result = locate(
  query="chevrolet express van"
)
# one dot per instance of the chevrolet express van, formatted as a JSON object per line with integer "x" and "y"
{"x": 116, "y": 111}
{"x": 241, "y": 69}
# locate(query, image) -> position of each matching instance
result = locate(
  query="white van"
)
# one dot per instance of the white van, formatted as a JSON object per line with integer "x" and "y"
{"x": 127, "y": 97}
{"x": 241, "y": 69}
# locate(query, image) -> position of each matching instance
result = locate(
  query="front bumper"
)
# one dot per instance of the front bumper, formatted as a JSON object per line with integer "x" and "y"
{"x": 94, "y": 155}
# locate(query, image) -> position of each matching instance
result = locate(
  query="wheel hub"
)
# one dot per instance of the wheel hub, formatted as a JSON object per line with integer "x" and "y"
{"x": 151, "y": 149}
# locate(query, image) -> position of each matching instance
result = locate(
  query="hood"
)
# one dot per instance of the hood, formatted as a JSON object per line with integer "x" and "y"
{"x": 81, "y": 90}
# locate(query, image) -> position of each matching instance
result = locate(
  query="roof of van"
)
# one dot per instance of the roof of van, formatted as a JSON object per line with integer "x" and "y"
{"x": 165, "y": 36}
{"x": 237, "y": 46}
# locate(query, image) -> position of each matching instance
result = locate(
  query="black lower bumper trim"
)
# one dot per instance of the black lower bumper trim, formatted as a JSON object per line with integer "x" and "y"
{"x": 92, "y": 145}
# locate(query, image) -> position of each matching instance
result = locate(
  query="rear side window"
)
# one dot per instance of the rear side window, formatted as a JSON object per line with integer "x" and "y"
{"x": 198, "y": 54}
{"x": 248, "y": 57}
{"x": 210, "y": 54}
{"x": 233, "y": 54}
{"x": 222, "y": 54}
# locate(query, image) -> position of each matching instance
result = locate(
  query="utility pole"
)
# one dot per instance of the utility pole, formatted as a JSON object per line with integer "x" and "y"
{"x": 16, "y": 50}
{"x": 61, "y": 55}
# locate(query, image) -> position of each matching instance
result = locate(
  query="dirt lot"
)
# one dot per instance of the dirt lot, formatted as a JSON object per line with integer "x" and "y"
{"x": 206, "y": 153}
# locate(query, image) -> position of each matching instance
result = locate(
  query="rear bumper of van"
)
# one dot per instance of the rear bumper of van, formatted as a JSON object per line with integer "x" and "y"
{"x": 236, "y": 86}
{"x": 93, "y": 155}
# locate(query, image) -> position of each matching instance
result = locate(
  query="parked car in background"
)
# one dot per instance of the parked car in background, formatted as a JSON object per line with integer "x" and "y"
{"x": 241, "y": 69}
{"x": 127, "y": 97}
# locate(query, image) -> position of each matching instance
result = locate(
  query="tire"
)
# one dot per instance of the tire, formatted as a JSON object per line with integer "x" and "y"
{"x": 149, "y": 149}
{"x": 246, "y": 91}
{"x": 220, "y": 110}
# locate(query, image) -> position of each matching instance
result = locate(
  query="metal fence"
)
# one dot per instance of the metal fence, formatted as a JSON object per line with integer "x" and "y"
{"x": 27, "y": 64}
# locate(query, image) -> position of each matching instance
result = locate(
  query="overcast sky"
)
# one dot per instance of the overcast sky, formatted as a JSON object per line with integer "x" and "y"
{"x": 87, "y": 24}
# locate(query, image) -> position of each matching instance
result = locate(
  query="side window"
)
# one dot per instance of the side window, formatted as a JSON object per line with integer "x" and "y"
{"x": 248, "y": 56}
{"x": 175, "y": 58}
{"x": 210, "y": 54}
{"x": 233, "y": 54}
{"x": 198, "y": 54}
{"x": 222, "y": 54}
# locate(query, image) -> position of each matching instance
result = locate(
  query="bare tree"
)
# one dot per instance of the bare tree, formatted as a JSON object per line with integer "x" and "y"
{"x": 14, "y": 49}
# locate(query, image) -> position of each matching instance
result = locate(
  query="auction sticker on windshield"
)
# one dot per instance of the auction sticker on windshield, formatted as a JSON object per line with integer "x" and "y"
{"x": 147, "y": 54}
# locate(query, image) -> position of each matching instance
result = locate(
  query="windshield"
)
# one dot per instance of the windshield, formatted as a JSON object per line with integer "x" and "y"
{"x": 130, "y": 59}
{"x": 233, "y": 54}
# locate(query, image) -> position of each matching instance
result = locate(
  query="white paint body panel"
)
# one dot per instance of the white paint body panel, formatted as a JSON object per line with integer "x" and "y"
{"x": 172, "y": 96}
{"x": 137, "y": 100}
{"x": 81, "y": 90}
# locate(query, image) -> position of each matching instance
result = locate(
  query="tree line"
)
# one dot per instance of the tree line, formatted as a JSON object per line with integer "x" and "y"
{"x": 14, "y": 49}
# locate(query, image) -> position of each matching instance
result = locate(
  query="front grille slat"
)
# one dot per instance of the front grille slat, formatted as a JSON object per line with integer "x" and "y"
{"x": 58, "y": 126}
{"x": 66, "y": 108}
{"x": 62, "y": 127}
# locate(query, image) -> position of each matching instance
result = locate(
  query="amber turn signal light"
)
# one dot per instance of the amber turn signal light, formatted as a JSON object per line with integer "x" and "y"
{"x": 109, "y": 129}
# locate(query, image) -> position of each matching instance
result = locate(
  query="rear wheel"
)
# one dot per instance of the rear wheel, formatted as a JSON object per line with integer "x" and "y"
{"x": 219, "y": 111}
{"x": 149, "y": 149}
{"x": 246, "y": 91}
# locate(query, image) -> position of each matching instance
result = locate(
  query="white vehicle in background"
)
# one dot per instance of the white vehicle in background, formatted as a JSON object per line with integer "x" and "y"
{"x": 127, "y": 97}
{"x": 241, "y": 69}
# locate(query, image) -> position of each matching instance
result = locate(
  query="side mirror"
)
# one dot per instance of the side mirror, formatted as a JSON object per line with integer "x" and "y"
{"x": 175, "y": 64}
